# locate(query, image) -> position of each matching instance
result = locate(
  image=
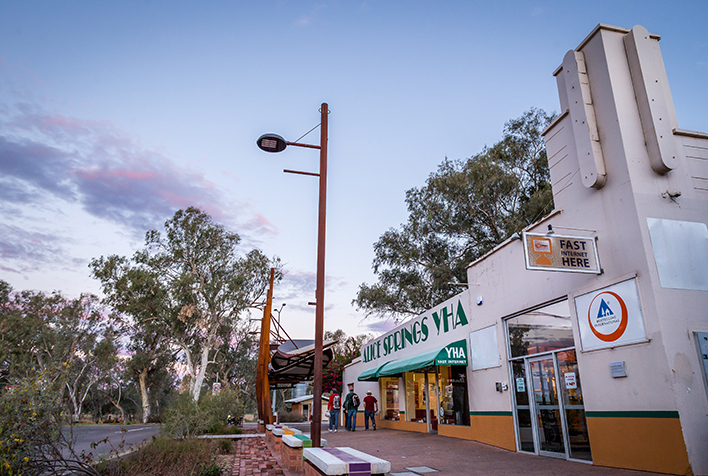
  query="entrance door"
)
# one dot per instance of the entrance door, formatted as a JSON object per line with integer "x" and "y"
{"x": 546, "y": 407}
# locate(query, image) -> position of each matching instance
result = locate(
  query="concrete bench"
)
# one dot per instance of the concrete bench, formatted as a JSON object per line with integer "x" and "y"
{"x": 342, "y": 461}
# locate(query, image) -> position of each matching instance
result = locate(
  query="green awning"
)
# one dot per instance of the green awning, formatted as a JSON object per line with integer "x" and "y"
{"x": 370, "y": 375}
{"x": 452, "y": 354}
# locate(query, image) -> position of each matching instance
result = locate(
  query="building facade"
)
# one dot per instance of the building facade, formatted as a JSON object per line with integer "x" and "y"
{"x": 586, "y": 337}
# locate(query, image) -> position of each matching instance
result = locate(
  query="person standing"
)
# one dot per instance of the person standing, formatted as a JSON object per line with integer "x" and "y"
{"x": 351, "y": 406}
{"x": 371, "y": 406}
{"x": 334, "y": 405}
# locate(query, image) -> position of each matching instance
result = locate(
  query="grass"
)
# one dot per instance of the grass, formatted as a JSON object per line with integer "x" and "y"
{"x": 167, "y": 457}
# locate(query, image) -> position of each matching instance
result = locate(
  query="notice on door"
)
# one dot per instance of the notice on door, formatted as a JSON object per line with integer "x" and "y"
{"x": 610, "y": 316}
{"x": 561, "y": 253}
{"x": 570, "y": 380}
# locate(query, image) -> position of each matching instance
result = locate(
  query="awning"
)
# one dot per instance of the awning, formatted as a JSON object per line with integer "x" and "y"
{"x": 370, "y": 375}
{"x": 451, "y": 354}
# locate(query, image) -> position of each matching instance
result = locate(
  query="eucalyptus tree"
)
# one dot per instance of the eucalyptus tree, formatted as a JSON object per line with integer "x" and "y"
{"x": 465, "y": 209}
{"x": 193, "y": 287}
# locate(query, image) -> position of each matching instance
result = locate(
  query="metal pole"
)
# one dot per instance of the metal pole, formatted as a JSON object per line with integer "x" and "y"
{"x": 262, "y": 384}
{"x": 316, "y": 425}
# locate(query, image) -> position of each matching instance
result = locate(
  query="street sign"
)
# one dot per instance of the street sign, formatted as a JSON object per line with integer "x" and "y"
{"x": 553, "y": 252}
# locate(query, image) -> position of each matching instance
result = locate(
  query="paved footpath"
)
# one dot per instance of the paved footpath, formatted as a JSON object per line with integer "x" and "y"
{"x": 453, "y": 456}
{"x": 448, "y": 456}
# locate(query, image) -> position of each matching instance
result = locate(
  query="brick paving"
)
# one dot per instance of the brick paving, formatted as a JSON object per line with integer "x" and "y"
{"x": 254, "y": 458}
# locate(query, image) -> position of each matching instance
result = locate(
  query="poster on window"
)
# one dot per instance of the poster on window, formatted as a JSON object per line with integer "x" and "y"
{"x": 610, "y": 316}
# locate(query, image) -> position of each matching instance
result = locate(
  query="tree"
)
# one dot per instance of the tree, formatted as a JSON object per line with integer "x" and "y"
{"x": 192, "y": 287}
{"x": 345, "y": 350}
{"x": 138, "y": 292}
{"x": 465, "y": 209}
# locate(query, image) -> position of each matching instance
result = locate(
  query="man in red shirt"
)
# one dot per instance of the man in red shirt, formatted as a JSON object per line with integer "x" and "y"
{"x": 371, "y": 406}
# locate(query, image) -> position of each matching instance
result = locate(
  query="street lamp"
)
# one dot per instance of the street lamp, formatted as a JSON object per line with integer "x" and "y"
{"x": 275, "y": 143}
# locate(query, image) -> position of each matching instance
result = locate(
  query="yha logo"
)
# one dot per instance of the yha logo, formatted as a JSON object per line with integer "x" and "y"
{"x": 455, "y": 353}
{"x": 447, "y": 317}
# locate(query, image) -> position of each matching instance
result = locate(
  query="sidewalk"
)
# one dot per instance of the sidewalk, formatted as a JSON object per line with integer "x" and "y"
{"x": 453, "y": 456}
{"x": 449, "y": 456}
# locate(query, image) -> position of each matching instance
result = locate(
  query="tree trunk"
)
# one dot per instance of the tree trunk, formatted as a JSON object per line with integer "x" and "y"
{"x": 199, "y": 376}
{"x": 142, "y": 377}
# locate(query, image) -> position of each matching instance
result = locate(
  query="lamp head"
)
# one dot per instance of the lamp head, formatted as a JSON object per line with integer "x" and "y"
{"x": 271, "y": 143}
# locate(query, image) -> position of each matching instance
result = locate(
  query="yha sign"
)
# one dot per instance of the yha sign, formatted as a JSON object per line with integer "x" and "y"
{"x": 442, "y": 320}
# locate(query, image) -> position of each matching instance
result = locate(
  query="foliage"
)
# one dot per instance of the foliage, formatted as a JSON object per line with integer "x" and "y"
{"x": 225, "y": 446}
{"x": 186, "y": 418}
{"x": 187, "y": 288}
{"x": 35, "y": 434}
{"x": 165, "y": 456}
{"x": 345, "y": 350}
{"x": 291, "y": 417}
{"x": 465, "y": 209}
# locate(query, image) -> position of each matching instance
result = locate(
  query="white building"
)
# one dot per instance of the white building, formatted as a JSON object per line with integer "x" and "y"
{"x": 591, "y": 342}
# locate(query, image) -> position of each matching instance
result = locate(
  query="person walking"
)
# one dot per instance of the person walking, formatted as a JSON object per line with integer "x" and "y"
{"x": 371, "y": 406}
{"x": 351, "y": 406}
{"x": 334, "y": 405}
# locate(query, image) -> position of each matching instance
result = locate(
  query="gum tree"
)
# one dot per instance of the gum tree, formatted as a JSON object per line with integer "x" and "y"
{"x": 198, "y": 286}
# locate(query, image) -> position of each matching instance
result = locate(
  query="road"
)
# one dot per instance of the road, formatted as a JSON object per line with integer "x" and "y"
{"x": 85, "y": 435}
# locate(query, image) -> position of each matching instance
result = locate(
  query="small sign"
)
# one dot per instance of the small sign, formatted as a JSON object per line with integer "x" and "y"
{"x": 215, "y": 388}
{"x": 610, "y": 316}
{"x": 561, "y": 253}
{"x": 520, "y": 384}
{"x": 617, "y": 369}
{"x": 570, "y": 380}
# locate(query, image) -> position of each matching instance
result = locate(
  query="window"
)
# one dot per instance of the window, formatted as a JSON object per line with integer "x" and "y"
{"x": 541, "y": 330}
{"x": 389, "y": 410}
{"x": 454, "y": 403}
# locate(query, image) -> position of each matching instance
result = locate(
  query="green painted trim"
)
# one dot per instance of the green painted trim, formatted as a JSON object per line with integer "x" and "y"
{"x": 491, "y": 414}
{"x": 401, "y": 411}
{"x": 633, "y": 414}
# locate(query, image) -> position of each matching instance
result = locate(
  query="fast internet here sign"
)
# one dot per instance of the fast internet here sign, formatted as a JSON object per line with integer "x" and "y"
{"x": 561, "y": 253}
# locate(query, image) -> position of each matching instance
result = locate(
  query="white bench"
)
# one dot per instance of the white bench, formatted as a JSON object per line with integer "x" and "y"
{"x": 343, "y": 461}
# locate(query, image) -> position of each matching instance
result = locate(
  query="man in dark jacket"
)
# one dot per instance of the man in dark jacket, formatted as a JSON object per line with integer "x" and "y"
{"x": 351, "y": 406}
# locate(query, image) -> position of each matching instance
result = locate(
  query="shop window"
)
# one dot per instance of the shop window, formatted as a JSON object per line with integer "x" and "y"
{"x": 454, "y": 403}
{"x": 389, "y": 406}
{"x": 541, "y": 330}
{"x": 416, "y": 395}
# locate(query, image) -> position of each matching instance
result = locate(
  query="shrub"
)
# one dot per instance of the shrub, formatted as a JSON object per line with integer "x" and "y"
{"x": 225, "y": 446}
{"x": 185, "y": 419}
{"x": 165, "y": 456}
{"x": 35, "y": 435}
{"x": 286, "y": 417}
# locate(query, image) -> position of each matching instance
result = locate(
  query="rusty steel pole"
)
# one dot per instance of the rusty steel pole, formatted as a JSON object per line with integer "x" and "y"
{"x": 316, "y": 425}
{"x": 265, "y": 412}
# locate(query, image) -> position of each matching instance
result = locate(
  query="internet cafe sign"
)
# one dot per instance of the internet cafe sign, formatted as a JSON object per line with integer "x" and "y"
{"x": 610, "y": 316}
{"x": 561, "y": 253}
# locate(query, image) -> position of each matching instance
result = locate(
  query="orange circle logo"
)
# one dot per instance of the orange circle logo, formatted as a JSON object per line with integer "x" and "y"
{"x": 607, "y": 325}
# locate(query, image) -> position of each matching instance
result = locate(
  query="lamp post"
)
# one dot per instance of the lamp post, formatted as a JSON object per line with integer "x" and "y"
{"x": 275, "y": 143}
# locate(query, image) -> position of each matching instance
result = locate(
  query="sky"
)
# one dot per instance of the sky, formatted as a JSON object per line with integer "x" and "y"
{"x": 114, "y": 115}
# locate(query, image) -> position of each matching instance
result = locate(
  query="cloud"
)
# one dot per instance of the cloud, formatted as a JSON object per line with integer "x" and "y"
{"x": 30, "y": 250}
{"x": 110, "y": 174}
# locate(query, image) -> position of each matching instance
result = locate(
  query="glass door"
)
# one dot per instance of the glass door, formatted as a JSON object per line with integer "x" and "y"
{"x": 573, "y": 406}
{"x": 546, "y": 406}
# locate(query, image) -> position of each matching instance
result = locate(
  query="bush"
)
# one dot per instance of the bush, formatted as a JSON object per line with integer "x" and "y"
{"x": 32, "y": 440}
{"x": 165, "y": 456}
{"x": 225, "y": 446}
{"x": 185, "y": 419}
{"x": 287, "y": 417}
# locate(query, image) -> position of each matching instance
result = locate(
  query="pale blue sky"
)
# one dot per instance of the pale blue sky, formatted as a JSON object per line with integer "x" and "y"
{"x": 115, "y": 114}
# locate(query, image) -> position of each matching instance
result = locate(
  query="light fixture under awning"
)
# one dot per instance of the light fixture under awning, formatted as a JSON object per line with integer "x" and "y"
{"x": 451, "y": 354}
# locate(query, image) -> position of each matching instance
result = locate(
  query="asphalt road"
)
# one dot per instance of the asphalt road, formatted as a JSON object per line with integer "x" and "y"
{"x": 85, "y": 435}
